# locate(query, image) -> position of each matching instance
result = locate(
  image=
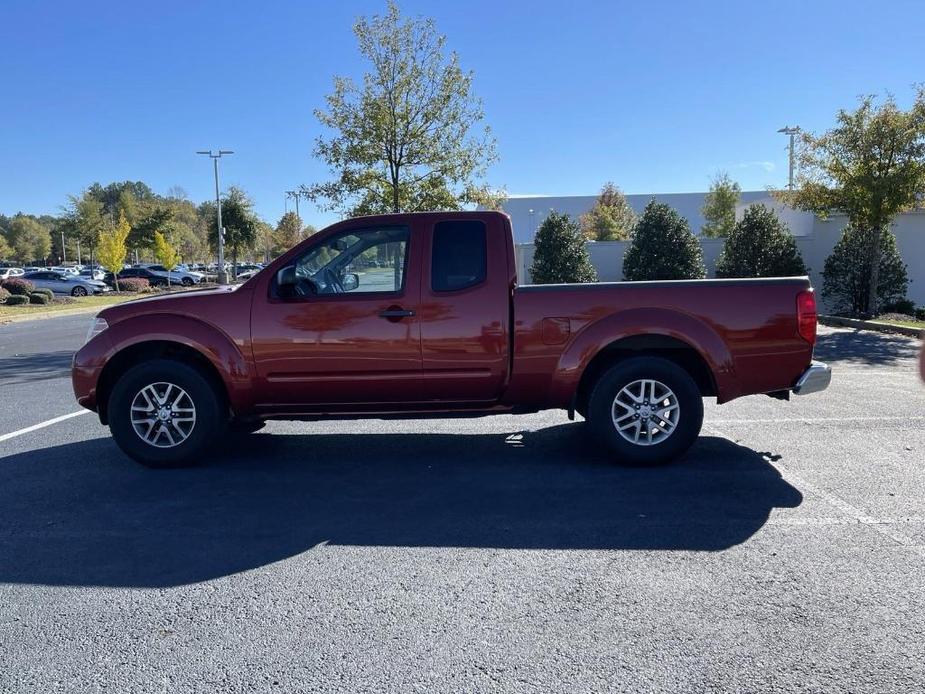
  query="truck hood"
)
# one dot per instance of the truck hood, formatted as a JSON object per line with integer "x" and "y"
{"x": 190, "y": 302}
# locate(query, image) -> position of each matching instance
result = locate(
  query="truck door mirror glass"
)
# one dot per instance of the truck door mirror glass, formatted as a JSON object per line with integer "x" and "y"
{"x": 286, "y": 277}
{"x": 351, "y": 281}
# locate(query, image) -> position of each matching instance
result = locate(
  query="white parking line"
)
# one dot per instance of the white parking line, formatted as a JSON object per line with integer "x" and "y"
{"x": 41, "y": 425}
{"x": 884, "y": 526}
{"x": 813, "y": 420}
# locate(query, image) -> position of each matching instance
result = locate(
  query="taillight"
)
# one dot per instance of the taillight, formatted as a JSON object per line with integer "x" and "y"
{"x": 806, "y": 315}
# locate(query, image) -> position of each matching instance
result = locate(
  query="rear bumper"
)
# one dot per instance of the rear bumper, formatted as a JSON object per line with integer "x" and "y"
{"x": 816, "y": 378}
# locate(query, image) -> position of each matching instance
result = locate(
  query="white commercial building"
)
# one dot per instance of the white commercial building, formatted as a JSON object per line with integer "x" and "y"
{"x": 815, "y": 236}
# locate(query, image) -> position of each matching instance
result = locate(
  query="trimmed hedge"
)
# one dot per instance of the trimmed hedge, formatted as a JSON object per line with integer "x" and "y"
{"x": 47, "y": 292}
{"x": 18, "y": 286}
{"x": 17, "y": 300}
{"x": 134, "y": 284}
{"x": 36, "y": 298}
{"x": 662, "y": 247}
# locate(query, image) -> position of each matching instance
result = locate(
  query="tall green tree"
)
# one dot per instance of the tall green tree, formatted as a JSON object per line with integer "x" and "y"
{"x": 287, "y": 234}
{"x": 239, "y": 220}
{"x": 29, "y": 239}
{"x": 847, "y": 281}
{"x": 560, "y": 255}
{"x": 84, "y": 220}
{"x": 719, "y": 206}
{"x": 662, "y": 247}
{"x": 760, "y": 245}
{"x": 611, "y": 218}
{"x": 409, "y": 138}
{"x": 869, "y": 167}
{"x": 5, "y": 250}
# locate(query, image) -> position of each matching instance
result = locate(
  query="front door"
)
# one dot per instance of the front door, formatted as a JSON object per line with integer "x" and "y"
{"x": 347, "y": 330}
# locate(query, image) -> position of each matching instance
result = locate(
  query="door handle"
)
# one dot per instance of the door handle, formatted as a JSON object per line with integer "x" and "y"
{"x": 396, "y": 313}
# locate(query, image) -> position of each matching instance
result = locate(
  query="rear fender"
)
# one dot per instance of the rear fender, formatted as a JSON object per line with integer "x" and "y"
{"x": 599, "y": 335}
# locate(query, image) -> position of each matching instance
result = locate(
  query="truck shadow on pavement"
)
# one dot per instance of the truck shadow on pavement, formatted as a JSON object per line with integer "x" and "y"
{"x": 40, "y": 366}
{"x": 82, "y": 514}
{"x": 865, "y": 347}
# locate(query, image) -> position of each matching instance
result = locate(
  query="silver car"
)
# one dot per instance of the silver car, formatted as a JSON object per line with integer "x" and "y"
{"x": 65, "y": 283}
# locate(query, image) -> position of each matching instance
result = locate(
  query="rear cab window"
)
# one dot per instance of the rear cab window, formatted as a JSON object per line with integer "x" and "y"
{"x": 460, "y": 255}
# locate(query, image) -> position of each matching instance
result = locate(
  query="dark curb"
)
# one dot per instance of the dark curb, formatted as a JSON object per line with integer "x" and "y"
{"x": 877, "y": 326}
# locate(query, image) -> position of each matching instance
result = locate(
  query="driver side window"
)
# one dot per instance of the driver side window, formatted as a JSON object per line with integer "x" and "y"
{"x": 359, "y": 261}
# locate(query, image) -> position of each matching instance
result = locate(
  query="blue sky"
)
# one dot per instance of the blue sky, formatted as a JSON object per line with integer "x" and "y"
{"x": 656, "y": 96}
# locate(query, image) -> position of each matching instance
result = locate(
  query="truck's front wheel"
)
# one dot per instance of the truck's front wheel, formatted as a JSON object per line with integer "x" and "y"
{"x": 646, "y": 410}
{"x": 164, "y": 413}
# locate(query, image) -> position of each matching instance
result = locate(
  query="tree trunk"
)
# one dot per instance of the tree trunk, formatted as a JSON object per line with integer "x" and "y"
{"x": 872, "y": 298}
{"x": 396, "y": 207}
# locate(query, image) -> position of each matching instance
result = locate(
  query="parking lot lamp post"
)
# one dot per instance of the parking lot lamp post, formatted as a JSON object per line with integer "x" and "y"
{"x": 792, "y": 132}
{"x": 63, "y": 252}
{"x": 222, "y": 275}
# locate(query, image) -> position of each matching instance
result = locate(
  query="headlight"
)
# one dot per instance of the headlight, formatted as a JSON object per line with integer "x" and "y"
{"x": 96, "y": 327}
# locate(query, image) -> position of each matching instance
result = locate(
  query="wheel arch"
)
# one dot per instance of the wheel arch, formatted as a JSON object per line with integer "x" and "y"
{"x": 654, "y": 345}
{"x": 685, "y": 339}
{"x": 139, "y": 352}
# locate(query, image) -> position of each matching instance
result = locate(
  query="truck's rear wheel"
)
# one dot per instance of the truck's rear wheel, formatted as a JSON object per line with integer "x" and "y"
{"x": 164, "y": 413}
{"x": 646, "y": 410}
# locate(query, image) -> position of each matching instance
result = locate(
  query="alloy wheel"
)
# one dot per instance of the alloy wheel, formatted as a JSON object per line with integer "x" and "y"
{"x": 163, "y": 415}
{"x": 645, "y": 412}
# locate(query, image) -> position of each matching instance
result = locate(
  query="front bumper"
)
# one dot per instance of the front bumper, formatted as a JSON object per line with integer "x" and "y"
{"x": 815, "y": 379}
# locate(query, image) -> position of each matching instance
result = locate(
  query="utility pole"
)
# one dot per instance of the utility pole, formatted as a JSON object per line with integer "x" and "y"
{"x": 63, "y": 252}
{"x": 222, "y": 275}
{"x": 792, "y": 132}
{"x": 296, "y": 194}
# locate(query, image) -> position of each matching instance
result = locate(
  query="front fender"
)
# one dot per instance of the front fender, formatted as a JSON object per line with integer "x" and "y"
{"x": 216, "y": 346}
{"x": 598, "y": 335}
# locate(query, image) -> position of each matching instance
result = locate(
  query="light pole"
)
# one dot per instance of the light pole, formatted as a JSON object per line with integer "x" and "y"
{"x": 222, "y": 275}
{"x": 63, "y": 252}
{"x": 792, "y": 132}
{"x": 296, "y": 194}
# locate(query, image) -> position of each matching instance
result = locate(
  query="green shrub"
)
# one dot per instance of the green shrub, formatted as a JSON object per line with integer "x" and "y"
{"x": 37, "y": 298}
{"x": 846, "y": 277}
{"x": 47, "y": 292}
{"x": 16, "y": 300}
{"x": 904, "y": 306}
{"x": 560, "y": 254}
{"x": 760, "y": 245}
{"x": 18, "y": 286}
{"x": 133, "y": 284}
{"x": 662, "y": 247}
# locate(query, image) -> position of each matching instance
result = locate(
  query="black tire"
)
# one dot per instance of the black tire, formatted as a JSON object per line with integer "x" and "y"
{"x": 78, "y": 291}
{"x": 687, "y": 422}
{"x": 210, "y": 413}
{"x": 187, "y": 281}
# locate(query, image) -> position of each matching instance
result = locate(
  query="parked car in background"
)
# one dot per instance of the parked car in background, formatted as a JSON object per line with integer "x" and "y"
{"x": 10, "y": 272}
{"x": 176, "y": 276}
{"x": 89, "y": 274}
{"x": 144, "y": 273}
{"x": 247, "y": 274}
{"x": 34, "y": 269}
{"x": 63, "y": 269}
{"x": 65, "y": 283}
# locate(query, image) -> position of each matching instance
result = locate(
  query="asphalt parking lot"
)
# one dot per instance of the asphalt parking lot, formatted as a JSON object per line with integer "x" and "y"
{"x": 785, "y": 553}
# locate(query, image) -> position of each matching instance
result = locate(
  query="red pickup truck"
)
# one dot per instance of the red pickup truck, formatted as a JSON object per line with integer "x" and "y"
{"x": 411, "y": 315}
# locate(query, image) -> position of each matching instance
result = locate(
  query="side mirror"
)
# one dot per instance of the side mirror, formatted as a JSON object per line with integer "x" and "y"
{"x": 350, "y": 282}
{"x": 286, "y": 277}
